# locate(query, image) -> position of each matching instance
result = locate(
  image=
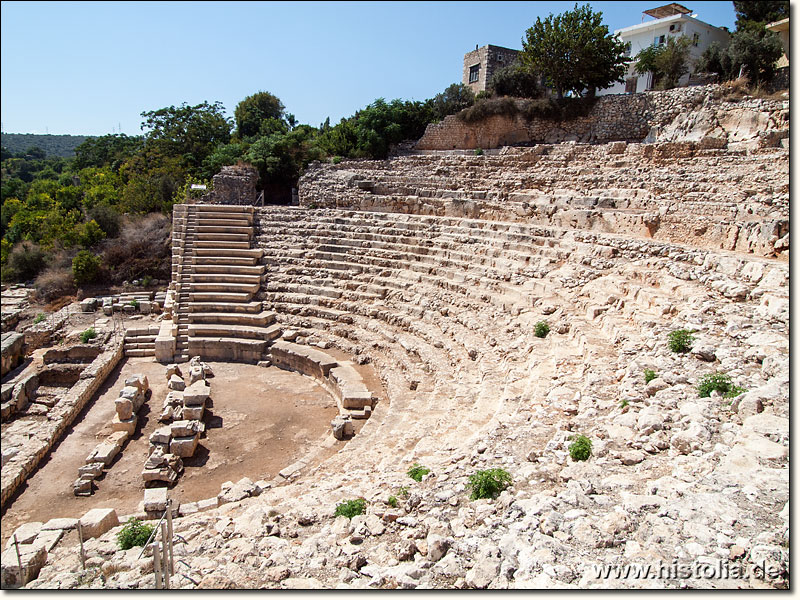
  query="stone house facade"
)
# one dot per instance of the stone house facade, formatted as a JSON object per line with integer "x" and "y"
{"x": 481, "y": 63}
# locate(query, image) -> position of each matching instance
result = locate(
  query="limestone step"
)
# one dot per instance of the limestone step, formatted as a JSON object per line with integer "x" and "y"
{"x": 221, "y": 208}
{"x": 227, "y": 349}
{"x": 210, "y": 330}
{"x": 224, "y": 222}
{"x": 215, "y": 236}
{"x": 255, "y": 271}
{"x": 223, "y": 307}
{"x": 225, "y": 228}
{"x": 262, "y": 318}
{"x": 222, "y": 286}
{"x": 219, "y": 297}
{"x": 228, "y": 253}
{"x": 227, "y": 261}
{"x": 223, "y": 244}
{"x": 138, "y": 352}
{"x": 225, "y": 278}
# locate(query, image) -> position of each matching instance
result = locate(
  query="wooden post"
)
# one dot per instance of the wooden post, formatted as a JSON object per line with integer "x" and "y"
{"x": 164, "y": 555}
{"x": 157, "y": 564}
{"x": 83, "y": 552}
{"x": 19, "y": 561}
{"x": 169, "y": 540}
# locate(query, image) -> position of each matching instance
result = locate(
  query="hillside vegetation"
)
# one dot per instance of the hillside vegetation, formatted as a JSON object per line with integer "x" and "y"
{"x": 52, "y": 145}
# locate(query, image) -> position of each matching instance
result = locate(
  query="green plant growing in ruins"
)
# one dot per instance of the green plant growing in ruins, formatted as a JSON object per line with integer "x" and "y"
{"x": 403, "y": 491}
{"x": 680, "y": 340}
{"x": 624, "y": 403}
{"x": 392, "y": 501}
{"x": 720, "y": 382}
{"x": 478, "y": 151}
{"x": 135, "y": 533}
{"x": 39, "y": 318}
{"x": 336, "y": 160}
{"x": 488, "y": 483}
{"x": 417, "y": 472}
{"x": 87, "y": 335}
{"x": 134, "y": 303}
{"x": 649, "y": 375}
{"x": 581, "y": 448}
{"x": 147, "y": 281}
{"x": 351, "y": 508}
{"x": 541, "y": 329}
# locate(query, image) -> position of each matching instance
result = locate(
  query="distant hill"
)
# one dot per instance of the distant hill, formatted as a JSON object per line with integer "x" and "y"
{"x": 53, "y": 145}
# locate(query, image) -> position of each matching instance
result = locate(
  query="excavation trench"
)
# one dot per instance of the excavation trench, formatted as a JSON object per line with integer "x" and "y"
{"x": 261, "y": 421}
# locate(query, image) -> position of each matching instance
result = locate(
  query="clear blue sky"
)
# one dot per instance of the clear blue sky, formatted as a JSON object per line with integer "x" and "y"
{"x": 91, "y": 67}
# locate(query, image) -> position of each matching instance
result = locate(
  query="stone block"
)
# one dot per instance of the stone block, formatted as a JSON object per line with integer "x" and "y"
{"x": 97, "y": 521}
{"x": 356, "y": 399}
{"x": 188, "y": 508}
{"x": 155, "y": 499}
{"x": 48, "y": 538}
{"x": 124, "y": 407}
{"x": 61, "y": 523}
{"x": 83, "y": 487}
{"x": 187, "y": 428}
{"x": 104, "y": 452}
{"x": 162, "y": 435}
{"x": 138, "y": 381}
{"x": 118, "y": 438}
{"x": 145, "y": 307}
{"x": 176, "y": 383}
{"x": 92, "y": 471}
{"x": 208, "y": 503}
{"x": 25, "y": 533}
{"x": 126, "y": 425}
{"x": 88, "y": 305}
{"x": 32, "y": 557}
{"x": 195, "y": 374}
{"x": 342, "y": 427}
{"x": 192, "y": 413}
{"x": 173, "y": 369}
{"x": 196, "y": 394}
{"x": 184, "y": 446}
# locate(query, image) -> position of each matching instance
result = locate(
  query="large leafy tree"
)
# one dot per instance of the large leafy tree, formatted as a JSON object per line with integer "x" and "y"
{"x": 667, "y": 62}
{"x": 253, "y": 110}
{"x": 759, "y": 13}
{"x": 106, "y": 150}
{"x": 454, "y": 98}
{"x": 574, "y": 51}
{"x": 189, "y": 133}
{"x": 515, "y": 80}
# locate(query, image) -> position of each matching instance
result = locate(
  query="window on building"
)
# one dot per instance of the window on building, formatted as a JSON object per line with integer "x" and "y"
{"x": 627, "y": 51}
{"x": 659, "y": 39}
{"x": 696, "y": 39}
{"x": 474, "y": 72}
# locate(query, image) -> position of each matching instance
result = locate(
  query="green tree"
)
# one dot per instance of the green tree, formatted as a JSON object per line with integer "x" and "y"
{"x": 106, "y": 150}
{"x": 515, "y": 80}
{"x": 456, "y": 97}
{"x": 574, "y": 51}
{"x": 759, "y": 13}
{"x": 251, "y": 111}
{"x": 667, "y": 62}
{"x": 756, "y": 51}
{"x": 189, "y": 133}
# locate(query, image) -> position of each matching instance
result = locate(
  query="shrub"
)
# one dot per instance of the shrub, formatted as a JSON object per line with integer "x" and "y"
{"x": 135, "y": 533}
{"x": 417, "y": 472}
{"x": 87, "y": 335}
{"x": 541, "y": 329}
{"x": 351, "y": 508}
{"x": 134, "y": 303}
{"x": 478, "y": 151}
{"x": 720, "y": 382}
{"x": 25, "y": 261}
{"x": 403, "y": 491}
{"x": 488, "y": 483}
{"x": 39, "y": 318}
{"x": 392, "y": 501}
{"x": 336, "y": 160}
{"x": 624, "y": 403}
{"x": 55, "y": 282}
{"x": 680, "y": 340}
{"x": 85, "y": 267}
{"x": 143, "y": 248}
{"x": 649, "y": 375}
{"x": 581, "y": 448}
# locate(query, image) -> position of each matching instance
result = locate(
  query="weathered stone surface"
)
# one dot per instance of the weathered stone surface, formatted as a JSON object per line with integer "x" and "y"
{"x": 97, "y": 521}
{"x": 197, "y": 393}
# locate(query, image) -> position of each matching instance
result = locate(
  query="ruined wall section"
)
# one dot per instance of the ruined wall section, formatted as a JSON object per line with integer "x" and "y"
{"x": 685, "y": 114}
{"x": 235, "y": 184}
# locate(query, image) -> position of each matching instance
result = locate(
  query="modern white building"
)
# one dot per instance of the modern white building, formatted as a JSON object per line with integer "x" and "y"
{"x": 671, "y": 20}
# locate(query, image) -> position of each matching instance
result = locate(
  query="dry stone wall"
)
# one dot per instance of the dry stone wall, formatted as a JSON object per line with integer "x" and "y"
{"x": 650, "y": 116}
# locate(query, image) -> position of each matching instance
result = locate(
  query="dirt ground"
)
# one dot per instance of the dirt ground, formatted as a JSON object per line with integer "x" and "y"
{"x": 261, "y": 421}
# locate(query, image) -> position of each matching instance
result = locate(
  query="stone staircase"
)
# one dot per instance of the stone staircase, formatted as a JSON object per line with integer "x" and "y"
{"x": 217, "y": 277}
